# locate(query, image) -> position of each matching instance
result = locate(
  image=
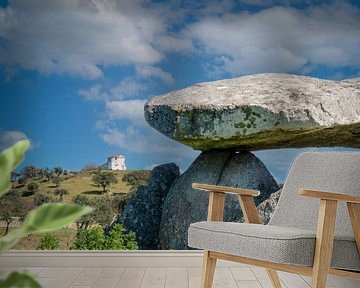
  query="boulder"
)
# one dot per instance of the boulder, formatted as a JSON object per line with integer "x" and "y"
{"x": 184, "y": 205}
{"x": 263, "y": 111}
{"x": 266, "y": 209}
{"x": 143, "y": 212}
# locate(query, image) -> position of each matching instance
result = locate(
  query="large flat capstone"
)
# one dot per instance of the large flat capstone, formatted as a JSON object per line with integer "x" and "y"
{"x": 263, "y": 111}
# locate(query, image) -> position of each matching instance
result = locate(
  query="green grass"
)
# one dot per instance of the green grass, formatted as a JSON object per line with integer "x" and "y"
{"x": 30, "y": 242}
{"x": 80, "y": 183}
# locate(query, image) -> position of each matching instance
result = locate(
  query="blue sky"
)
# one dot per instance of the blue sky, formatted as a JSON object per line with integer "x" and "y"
{"x": 75, "y": 74}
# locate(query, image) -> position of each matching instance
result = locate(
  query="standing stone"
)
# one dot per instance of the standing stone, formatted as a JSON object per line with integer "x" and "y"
{"x": 142, "y": 214}
{"x": 184, "y": 205}
{"x": 245, "y": 170}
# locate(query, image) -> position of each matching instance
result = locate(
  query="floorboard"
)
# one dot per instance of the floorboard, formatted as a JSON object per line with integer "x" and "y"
{"x": 167, "y": 277}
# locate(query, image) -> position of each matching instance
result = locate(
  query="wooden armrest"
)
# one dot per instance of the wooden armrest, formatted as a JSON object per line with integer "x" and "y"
{"x": 223, "y": 189}
{"x": 330, "y": 196}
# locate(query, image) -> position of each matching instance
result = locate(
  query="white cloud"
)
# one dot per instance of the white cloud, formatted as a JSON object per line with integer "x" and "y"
{"x": 79, "y": 38}
{"x": 280, "y": 2}
{"x": 280, "y": 39}
{"x": 132, "y": 110}
{"x": 278, "y": 161}
{"x": 94, "y": 93}
{"x": 151, "y": 166}
{"x": 127, "y": 88}
{"x": 147, "y": 141}
{"x": 151, "y": 71}
{"x": 8, "y": 138}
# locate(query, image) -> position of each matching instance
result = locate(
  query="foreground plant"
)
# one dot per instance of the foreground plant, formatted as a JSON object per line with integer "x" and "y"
{"x": 48, "y": 217}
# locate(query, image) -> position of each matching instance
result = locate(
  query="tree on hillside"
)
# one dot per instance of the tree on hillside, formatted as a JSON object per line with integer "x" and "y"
{"x": 22, "y": 181}
{"x": 11, "y": 205}
{"x": 103, "y": 213}
{"x": 42, "y": 198}
{"x": 81, "y": 200}
{"x": 48, "y": 174}
{"x": 135, "y": 179}
{"x": 40, "y": 173}
{"x": 32, "y": 187}
{"x": 104, "y": 179}
{"x": 86, "y": 220}
{"x": 15, "y": 176}
{"x": 58, "y": 170}
{"x": 119, "y": 202}
{"x": 61, "y": 192}
{"x": 89, "y": 167}
{"x": 56, "y": 180}
{"x": 30, "y": 172}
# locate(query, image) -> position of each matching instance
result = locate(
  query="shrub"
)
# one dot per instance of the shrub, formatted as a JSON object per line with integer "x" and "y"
{"x": 94, "y": 238}
{"x": 32, "y": 187}
{"x": 136, "y": 179}
{"x": 61, "y": 192}
{"x": 90, "y": 239}
{"x": 49, "y": 242}
{"x": 56, "y": 180}
{"x": 119, "y": 202}
{"x": 42, "y": 198}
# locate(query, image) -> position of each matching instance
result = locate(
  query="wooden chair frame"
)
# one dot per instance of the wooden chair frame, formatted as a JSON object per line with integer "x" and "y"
{"x": 324, "y": 235}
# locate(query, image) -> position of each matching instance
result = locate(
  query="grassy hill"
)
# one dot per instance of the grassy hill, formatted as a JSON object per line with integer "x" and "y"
{"x": 80, "y": 183}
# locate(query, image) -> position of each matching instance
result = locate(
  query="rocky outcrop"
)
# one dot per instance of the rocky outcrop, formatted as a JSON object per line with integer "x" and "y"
{"x": 266, "y": 208}
{"x": 260, "y": 112}
{"x": 184, "y": 205}
{"x": 143, "y": 212}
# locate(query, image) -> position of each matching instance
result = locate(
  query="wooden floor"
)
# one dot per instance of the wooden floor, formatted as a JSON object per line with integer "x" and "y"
{"x": 171, "y": 277}
{"x": 152, "y": 272}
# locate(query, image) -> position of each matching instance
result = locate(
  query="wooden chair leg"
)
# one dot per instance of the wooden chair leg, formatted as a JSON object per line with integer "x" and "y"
{"x": 208, "y": 270}
{"x": 354, "y": 212}
{"x": 274, "y": 278}
{"x": 324, "y": 243}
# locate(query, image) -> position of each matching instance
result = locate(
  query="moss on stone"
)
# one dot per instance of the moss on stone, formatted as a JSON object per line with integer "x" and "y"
{"x": 339, "y": 135}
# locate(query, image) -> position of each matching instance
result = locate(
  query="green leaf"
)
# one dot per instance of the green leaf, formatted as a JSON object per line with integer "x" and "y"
{"x": 10, "y": 239}
{"x": 49, "y": 217}
{"x": 19, "y": 279}
{"x": 9, "y": 159}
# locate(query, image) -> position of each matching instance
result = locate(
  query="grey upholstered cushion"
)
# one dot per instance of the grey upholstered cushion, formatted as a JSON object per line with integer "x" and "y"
{"x": 270, "y": 243}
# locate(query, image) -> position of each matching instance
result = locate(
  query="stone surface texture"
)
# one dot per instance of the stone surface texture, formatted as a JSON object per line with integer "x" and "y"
{"x": 143, "y": 212}
{"x": 260, "y": 111}
{"x": 184, "y": 205}
{"x": 267, "y": 208}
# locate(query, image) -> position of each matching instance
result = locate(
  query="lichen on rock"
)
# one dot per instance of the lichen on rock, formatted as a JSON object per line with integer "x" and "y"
{"x": 261, "y": 111}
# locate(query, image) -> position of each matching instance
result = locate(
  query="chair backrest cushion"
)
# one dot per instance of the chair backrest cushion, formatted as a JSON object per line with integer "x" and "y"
{"x": 326, "y": 171}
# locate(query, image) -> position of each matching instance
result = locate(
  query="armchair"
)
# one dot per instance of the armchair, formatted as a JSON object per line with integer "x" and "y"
{"x": 306, "y": 236}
